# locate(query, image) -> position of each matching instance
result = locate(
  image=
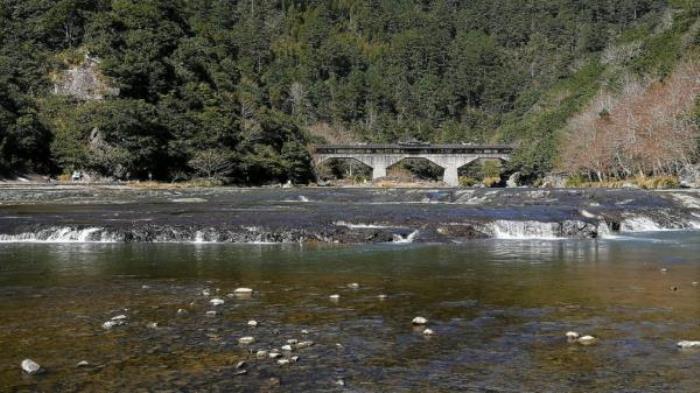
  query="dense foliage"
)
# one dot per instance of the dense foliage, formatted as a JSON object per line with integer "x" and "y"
{"x": 248, "y": 84}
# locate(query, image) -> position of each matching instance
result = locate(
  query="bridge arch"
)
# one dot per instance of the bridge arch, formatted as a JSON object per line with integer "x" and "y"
{"x": 380, "y": 157}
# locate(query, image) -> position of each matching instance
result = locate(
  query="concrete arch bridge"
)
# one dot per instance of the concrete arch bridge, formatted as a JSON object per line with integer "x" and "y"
{"x": 381, "y": 156}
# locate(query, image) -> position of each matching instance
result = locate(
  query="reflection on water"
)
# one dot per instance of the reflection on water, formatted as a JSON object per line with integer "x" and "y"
{"x": 499, "y": 310}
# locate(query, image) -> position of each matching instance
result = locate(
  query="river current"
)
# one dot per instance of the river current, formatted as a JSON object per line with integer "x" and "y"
{"x": 498, "y": 309}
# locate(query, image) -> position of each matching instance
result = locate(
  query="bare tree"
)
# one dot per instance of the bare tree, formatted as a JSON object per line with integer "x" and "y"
{"x": 212, "y": 163}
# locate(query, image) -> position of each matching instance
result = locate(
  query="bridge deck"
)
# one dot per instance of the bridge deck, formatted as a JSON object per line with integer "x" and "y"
{"x": 412, "y": 149}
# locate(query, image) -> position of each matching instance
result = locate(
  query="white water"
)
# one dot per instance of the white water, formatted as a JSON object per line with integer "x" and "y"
{"x": 359, "y": 226}
{"x": 62, "y": 235}
{"x": 505, "y": 229}
{"x": 398, "y": 239}
{"x": 640, "y": 224}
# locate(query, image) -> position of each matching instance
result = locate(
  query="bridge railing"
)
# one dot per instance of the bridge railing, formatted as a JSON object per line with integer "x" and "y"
{"x": 413, "y": 150}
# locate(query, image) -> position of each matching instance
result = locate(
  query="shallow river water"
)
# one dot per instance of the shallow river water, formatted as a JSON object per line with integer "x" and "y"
{"x": 499, "y": 310}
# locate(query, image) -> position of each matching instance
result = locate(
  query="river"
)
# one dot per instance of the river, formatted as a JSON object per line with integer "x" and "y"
{"x": 499, "y": 310}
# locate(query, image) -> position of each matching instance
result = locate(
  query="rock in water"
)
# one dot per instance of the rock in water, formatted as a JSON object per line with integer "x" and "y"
{"x": 287, "y": 348}
{"x": 83, "y": 363}
{"x": 246, "y": 340}
{"x": 428, "y": 332}
{"x": 334, "y": 298}
{"x": 353, "y": 285}
{"x": 685, "y": 344}
{"x": 261, "y": 354}
{"x": 587, "y": 340}
{"x": 304, "y": 344}
{"x": 216, "y": 301}
{"x": 211, "y": 313}
{"x": 30, "y": 367}
{"x": 572, "y": 335}
{"x": 419, "y": 321}
{"x": 243, "y": 291}
{"x": 252, "y": 323}
{"x": 283, "y": 362}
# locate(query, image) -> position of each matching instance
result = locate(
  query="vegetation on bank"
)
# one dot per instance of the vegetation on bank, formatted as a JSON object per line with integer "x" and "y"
{"x": 236, "y": 91}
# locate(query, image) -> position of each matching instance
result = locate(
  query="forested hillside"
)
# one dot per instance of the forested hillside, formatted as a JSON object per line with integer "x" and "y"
{"x": 184, "y": 88}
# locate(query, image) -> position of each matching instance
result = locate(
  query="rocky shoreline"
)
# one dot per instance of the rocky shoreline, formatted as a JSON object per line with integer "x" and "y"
{"x": 346, "y": 216}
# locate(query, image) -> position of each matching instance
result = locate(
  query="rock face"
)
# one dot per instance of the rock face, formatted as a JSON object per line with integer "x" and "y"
{"x": 85, "y": 82}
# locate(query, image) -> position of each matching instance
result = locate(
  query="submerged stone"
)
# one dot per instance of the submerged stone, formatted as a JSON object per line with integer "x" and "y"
{"x": 30, "y": 367}
{"x": 216, "y": 301}
{"x": 246, "y": 340}
{"x": 685, "y": 344}
{"x": 252, "y": 323}
{"x": 587, "y": 340}
{"x": 419, "y": 321}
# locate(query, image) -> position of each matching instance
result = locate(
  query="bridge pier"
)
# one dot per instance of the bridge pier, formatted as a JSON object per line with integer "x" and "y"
{"x": 451, "y": 177}
{"x": 378, "y": 171}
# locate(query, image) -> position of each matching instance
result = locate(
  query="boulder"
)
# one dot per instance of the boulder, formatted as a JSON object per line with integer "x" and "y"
{"x": 513, "y": 180}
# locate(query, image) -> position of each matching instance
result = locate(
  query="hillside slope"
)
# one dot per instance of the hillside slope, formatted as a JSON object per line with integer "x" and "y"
{"x": 236, "y": 90}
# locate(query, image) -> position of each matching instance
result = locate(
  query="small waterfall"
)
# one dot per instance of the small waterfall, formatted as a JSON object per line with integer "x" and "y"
{"x": 62, "y": 235}
{"x": 640, "y": 224}
{"x": 400, "y": 239}
{"x": 506, "y": 229}
{"x": 359, "y": 226}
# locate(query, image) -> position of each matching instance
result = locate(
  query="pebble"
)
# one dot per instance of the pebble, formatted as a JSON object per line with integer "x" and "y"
{"x": 261, "y": 354}
{"x": 340, "y": 382}
{"x": 274, "y": 355}
{"x": 292, "y": 341}
{"x": 246, "y": 340}
{"x": 110, "y": 324}
{"x": 685, "y": 344}
{"x": 334, "y": 298}
{"x": 211, "y": 313}
{"x": 305, "y": 344}
{"x": 83, "y": 363}
{"x": 145, "y": 287}
{"x": 304, "y": 331}
{"x": 287, "y": 348}
{"x": 572, "y": 335}
{"x": 152, "y": 325}
{"x": 382, "y": 297}
{"x": 353, "y": 285}
{"x": 216, "y": 301}
{"x": 294, "y": 359}
{"x": 419, "y": 321}
{"x": 206, "y": 292}
{"x": 181, "y": 311}
{"x": 252, "y": 323}
{"x": 586, "y": 340}
{"x": 243, "y": 291}
{"x": 428, "y": 332}
{"x": 283, "y": 362}
{"x": 695, "y": 283}
{"x": 663, "y": 270}
{"x": 30, "y": 367}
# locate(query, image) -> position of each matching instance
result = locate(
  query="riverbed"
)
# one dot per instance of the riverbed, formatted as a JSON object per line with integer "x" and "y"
{"x": 499, "y": 310}
{"x": 99, "y": 313}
